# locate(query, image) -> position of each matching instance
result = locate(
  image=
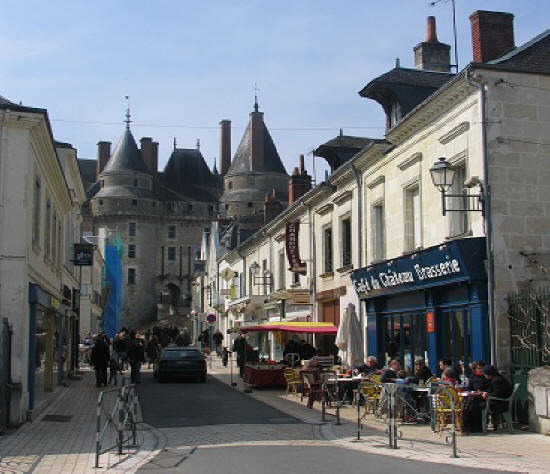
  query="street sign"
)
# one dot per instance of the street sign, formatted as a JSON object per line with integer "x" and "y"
{"x": 211, "y": 318}
{"x": 83, "y": 254}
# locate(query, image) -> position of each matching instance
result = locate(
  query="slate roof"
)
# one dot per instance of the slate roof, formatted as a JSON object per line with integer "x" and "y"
{"x": 241, "y": 160}
{"x": 340, "y": 149}
{"x": 409, "y": 86}
{"x": 188, "y": 174}
{"x": 87, "y": 171}
{"x": 533, "y": 56}
{"x": 4, "y": 101}
{"x": 125, "y": 191}
{"x": 126, "y": 157}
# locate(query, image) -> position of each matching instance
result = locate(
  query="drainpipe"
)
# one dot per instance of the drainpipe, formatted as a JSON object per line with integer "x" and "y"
{"x": 359, "y": 184}
{"x": 487, "y": 221}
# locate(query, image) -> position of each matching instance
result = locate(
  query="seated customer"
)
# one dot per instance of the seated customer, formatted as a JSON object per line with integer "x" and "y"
{"x": 422, "y": 371}
{"x": 478, "y": 382}
{"x": 450, "y": 375}
{"x": 443, "y": 364}
{"x": 389, "y": 375}
{"x": 368, "y": 368}
{"x": 498, "y": 387}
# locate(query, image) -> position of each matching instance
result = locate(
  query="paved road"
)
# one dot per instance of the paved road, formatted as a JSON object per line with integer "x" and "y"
{"x": 212, "y": 428}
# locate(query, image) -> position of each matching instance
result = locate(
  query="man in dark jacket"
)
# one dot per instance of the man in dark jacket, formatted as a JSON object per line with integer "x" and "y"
{"x": 217, "y": 338}
{"x": 239, "y": 346}
{"x": 136, "y": 356}
{"x": 100, "y": 361}
{"x": 498, "y": 387}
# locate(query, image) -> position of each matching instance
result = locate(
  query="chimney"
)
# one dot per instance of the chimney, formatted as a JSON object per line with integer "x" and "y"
{"x": 155, "y": 157}
{"x": 103, "y": 155}
{"x": 146, "y": 148}
{"x": 225, "y": 146}
{"x": 257, "y": 140}
{"x": 492, "y": 35}
{"x": 431, "y": 55}
{"x": 272, "y": 207}
{"x": 299, "y": 183}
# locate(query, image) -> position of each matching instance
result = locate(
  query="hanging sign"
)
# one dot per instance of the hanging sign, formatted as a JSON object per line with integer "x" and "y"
{"x": 430, "y": 322}
{"x": 83, "y": 254}
{"x": 292, "y": 250}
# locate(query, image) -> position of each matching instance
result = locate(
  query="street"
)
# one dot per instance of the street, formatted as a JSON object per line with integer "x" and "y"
{"x": 213, "y": 428}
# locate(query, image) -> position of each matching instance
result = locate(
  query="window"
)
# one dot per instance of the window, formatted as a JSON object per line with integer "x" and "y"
{"x": 227, "y": 207}
{"x": 379, "y": 237}
{"x": 134, "y": 202}
{"x": 154, "y": 203}
{"x": 171, "y": 253}
{"x": 131, "y": 229}
{"x": 101, "y": 202}
{"x": 171, "y": 231}
{"x": 54, "y": 237}
{"x": 282, "y": 271}
{"x": 249, "y": 204}
{"x": 131, "y": 251}
{"x": 102, "y": 183}
{"x": 189, "y": 207}
{"x": 210, "y": 208}
{"x": 346, "y": 241}
{"x": 458, "y": 219}
{"x": 135, "y": 183}
{"x": 47, "y": 231}
{"x": 413, "y": 221}
{"x": 230, "y": 185}
{"x": 395, "y": 113}
{"x": 36, "y": 212}
{"x": 295, "y": 278}
{"x": 327, "y": 250}
{"x": 131, "y": 276}
{"x": 84, "y": 289}
{"x": 170, "y": 206}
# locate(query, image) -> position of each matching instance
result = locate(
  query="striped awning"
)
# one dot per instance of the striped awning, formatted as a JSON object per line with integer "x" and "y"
{"x": 291, "y": 326}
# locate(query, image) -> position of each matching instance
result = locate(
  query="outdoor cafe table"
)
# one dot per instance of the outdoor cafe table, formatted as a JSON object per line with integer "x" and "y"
{"x": 264, "y": 375}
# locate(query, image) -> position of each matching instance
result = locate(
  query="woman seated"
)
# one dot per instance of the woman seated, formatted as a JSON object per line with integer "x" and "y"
{"x": 478, "y": 382}
{"x": 450, "y": 376}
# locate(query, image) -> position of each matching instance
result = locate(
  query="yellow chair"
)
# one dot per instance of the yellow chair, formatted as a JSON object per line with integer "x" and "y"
{"x": 443, "y": 408}
{"x": 292, "y": 380}
{"x": 371, "y": 392}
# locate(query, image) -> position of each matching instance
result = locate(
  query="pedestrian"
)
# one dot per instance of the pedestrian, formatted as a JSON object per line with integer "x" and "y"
{"x": 218, "y": 338}
{"x": 136, "y": 356}
{"x": 100, "y": 361}
{"x": 114, "y": 368}
{"x": 239, "y": 346}
{"x": 152, "y": 350}
{"x": 121, "y": 347}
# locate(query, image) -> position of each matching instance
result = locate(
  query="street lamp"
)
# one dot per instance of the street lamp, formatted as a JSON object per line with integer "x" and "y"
{"x": 254, "y": 268}
{"x": 442, "y": 174}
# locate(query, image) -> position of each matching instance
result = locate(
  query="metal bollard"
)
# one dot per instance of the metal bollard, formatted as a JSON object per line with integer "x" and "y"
{"x": 233, "y": 384}
{"x": 358, "y": 402}
{"x": 134, "y": 417}
{"x": 98, "y": 432}
{"x": 338, "y": 402}
{"x": 394, "y": 394}
{"x": 120, "y": 421}
{"x": 323, "y": 402}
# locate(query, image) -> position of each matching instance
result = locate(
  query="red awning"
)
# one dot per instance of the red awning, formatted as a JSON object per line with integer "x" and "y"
{"x": 293, "y": 327}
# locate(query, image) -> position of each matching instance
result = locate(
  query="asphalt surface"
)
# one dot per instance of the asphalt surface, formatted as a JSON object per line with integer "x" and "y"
{"x": 212, "y": 428}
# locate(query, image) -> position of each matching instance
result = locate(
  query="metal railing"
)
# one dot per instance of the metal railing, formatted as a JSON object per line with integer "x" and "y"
{"x": 116, "y": 424}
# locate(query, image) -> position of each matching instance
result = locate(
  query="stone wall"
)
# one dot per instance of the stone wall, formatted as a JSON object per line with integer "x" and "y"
{"x": 539, "y": 377}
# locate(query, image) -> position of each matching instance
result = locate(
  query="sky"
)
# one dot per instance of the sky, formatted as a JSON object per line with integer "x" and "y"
{"x": 186, "y": 65}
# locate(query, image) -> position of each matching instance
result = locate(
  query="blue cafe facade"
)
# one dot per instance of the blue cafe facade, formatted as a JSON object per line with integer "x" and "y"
{"x": 431, "y": 304}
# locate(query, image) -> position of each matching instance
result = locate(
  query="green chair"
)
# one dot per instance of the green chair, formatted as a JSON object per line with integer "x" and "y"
{"x": 507, "y": 415}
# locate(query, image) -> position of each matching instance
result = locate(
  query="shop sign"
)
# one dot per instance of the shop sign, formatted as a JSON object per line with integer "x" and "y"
{"x": 54, "y": 303}
{"x": 83, "y": 254}
{"x": 430, "y": 322}
{"x": 302, "y": 298}
{"x": 448, "y": 263}
{"x": 292, "y": 250}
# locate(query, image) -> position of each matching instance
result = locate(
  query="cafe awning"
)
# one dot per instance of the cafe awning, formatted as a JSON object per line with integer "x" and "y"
{"x": 292, "y": 327}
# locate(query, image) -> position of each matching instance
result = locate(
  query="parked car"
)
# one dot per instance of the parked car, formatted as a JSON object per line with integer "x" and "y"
{"x": 180, "y": 362}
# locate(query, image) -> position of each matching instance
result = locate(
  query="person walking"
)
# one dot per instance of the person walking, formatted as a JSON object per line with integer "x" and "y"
{"x": 100, "y": 361}
{"x": 152, "y": 350}
{"x": 239, "y": 346}
{"x": 218, "y": 338}
{"x": 135, "y": 358}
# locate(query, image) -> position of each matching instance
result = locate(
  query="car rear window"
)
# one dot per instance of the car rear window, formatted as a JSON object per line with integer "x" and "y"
{"x": 175, "y": 355}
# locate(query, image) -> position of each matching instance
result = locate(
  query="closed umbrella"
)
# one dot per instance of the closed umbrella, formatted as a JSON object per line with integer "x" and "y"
{"x": 348, "y": 338}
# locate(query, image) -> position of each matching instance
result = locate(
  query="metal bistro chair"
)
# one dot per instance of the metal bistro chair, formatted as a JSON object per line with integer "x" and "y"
{"x": 371, "y": 392}
{"x": 507, "y": 415}
{"x": 310, "y": 385}
{"x": 443, "y": 408}
{"x": 293, "y": 382}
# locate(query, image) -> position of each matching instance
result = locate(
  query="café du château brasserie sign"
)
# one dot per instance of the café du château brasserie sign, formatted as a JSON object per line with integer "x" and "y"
{"x": 434, "y": 266}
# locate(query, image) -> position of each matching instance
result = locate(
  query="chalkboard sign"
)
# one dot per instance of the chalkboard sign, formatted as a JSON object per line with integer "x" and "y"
{"x": 83, "y": 254}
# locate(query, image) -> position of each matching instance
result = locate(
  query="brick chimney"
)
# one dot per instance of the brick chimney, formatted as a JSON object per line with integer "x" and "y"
{"x": 155, "y": 157}
{"x": 225, "y": 146}
{"x": 431, "y": 55}
{"x": 272, "y": 207}
{"x": 103, "y": 155}
{"x": 147, "y": 152}
{"x": 299, "y": 183}
{"x": 256, "y": 139}
{"x": 492, "y": 35}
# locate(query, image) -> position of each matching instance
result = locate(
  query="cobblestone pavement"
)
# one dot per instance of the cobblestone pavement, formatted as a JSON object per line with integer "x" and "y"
{"x": 69, "y": 446}
{"x": 518, "y": 452}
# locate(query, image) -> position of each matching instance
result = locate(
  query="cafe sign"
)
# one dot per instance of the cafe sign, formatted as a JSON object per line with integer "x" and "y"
{"x": 452, "y": 262}
{"x": 292, "y": 250}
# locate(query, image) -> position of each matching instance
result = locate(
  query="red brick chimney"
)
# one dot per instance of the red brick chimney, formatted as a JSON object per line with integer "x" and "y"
{"x": 492, "y": 35}
{"x": 299, "y": 183}
{"x": 256, "y": 139}
{"x": 147, "y": 153}
{"x": 431, "y": 34}
{"x": 225, "y": 146}
{"x": 272, "y": 207}
{"x": 103, "y": 155}
{"x": 431, "y": 55}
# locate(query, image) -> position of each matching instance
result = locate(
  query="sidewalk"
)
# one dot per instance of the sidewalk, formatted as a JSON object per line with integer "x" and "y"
{"x": 69, "y": 446}
{"x": 519, "y": 452}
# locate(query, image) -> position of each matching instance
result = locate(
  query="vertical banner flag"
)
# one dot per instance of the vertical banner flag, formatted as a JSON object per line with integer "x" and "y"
{"x": 292, "y": 251}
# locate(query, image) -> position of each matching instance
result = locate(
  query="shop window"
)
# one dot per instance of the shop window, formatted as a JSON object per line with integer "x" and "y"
{"x": 327, "y": 250}
{"x": 346, "y": 241}
{"x": 171, "y": 231}
{"x": 230, "y": 185}
{"x": 282, "y": 271}
{"x": 458, "y": 219}
{"x": 171, "y": 253}
{"x": 131, "y": 229}
{"x": 131, "y": 251}
{"x": 36, "y": 212}
{"x": 378, "y": 232}
{"x": 413, "y": 219}
{"x": 131, "y": 276}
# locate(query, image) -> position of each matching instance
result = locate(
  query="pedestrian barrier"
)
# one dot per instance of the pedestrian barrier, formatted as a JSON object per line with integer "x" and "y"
{"x": 116, "y": 424}
{"x": 395, "y": 409}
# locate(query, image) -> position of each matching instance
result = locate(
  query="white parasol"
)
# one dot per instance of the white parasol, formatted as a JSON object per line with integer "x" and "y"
{"x": 348, "y": 338}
